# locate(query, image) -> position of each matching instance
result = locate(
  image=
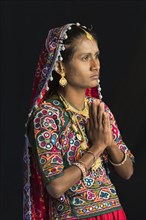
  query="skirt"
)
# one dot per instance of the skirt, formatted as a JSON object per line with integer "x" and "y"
{"x": 115, "y": 215}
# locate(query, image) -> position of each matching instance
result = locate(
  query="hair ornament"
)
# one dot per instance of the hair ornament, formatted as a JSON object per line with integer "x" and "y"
{"x": 47, "y": 88}
{"x": 60, "y": 58}
{"x": 51, "y": 78}
{"x": 60, "y": 41}
{"x": 36, "y": 106}
{"x": 29, "y": 116}
{"x": 78, "y": 24}
{"x": 65, "y": 36}
{"x": 63, "y": 47}
{"x": 88, "y": 35}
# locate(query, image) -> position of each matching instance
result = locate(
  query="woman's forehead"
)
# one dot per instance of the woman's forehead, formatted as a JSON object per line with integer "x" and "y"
{"x": 83, "y": 45}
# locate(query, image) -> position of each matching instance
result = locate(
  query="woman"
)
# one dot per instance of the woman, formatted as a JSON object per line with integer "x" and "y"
{"x": 72, "y": 137}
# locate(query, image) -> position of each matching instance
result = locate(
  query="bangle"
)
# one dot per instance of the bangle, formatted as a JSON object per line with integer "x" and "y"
{"x": 82, "y": 168}
{"x": 80, "y": 161}
{"x": 119, "y": 164}
{"x": 90, "y": 152}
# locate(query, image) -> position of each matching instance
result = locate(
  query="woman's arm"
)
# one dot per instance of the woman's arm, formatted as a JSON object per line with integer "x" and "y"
{"x": 44, "y": 137}
{"x": 125, "y": 170}
{"x": 98, "y": 121}
{"x": 71, "y": 175}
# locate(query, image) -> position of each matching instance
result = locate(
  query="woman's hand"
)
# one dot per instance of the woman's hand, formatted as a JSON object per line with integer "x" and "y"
{"x": 98, "y": 127}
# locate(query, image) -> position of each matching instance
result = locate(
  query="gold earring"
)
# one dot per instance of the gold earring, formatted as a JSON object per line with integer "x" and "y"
{"x": 62, "y": 81}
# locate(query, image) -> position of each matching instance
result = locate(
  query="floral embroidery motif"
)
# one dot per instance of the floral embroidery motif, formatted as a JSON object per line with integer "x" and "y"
{"x": 104, "y": 194}
{"x": 113, "y": 191}
{"x": 90, "y": 195}
{"x": 88, "y": 181}
{"x": 77, "y": 201}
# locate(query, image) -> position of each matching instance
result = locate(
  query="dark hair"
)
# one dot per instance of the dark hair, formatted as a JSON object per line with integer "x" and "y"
{"x": 75, "y": 33}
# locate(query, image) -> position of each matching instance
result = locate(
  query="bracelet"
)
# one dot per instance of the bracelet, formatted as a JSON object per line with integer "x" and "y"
{"x": 119, "y": 164}
{"x": 90, "y": 152}
{"x": 80, "y": 161}
{"x": 82, "y": 168}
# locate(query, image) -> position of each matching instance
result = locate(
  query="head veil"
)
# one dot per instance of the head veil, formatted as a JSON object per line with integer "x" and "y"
{"x": 36, "y": 204}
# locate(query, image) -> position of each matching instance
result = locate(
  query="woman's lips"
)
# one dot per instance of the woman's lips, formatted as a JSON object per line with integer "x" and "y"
{"x": 95, "y": 76}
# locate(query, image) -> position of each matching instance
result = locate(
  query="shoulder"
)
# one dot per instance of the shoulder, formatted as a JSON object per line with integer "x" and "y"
{"x": 50, "y": 113}
{"x": 50, "y": 108}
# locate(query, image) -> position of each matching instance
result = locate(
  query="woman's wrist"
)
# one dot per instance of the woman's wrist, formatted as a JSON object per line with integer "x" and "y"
{"x": 112, "y": 146}
{"x": 81, "y": 165}
{"x": 97, "y": 150}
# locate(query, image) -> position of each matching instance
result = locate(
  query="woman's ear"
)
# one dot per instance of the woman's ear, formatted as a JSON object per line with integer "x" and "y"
{"x": 59, "y": 67}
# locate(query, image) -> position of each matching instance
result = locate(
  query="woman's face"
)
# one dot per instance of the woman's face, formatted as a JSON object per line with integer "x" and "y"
{"x": 82, "y": 71}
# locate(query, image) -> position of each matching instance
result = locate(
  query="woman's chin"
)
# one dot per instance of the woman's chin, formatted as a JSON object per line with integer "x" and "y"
{"x": 92, "y": 85}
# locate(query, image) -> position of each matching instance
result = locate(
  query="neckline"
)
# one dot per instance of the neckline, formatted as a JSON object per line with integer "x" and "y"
{"x": 70, "y": 108}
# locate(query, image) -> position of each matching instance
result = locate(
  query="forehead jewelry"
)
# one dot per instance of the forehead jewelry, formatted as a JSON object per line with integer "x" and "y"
{"x": 88, "y": 35}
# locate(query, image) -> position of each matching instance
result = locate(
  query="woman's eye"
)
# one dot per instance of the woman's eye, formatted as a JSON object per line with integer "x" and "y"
{"x": 85, "y": 58}
{"x": 97, "y": 56}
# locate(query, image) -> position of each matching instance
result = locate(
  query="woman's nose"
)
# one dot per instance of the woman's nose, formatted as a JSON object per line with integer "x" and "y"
{"x": 95, "y": 64}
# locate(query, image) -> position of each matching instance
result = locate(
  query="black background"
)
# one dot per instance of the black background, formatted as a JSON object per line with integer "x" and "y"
{"x": 120, "y": 26}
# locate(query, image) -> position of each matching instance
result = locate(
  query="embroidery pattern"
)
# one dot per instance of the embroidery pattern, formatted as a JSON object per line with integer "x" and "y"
{"x": 57, "y": 148}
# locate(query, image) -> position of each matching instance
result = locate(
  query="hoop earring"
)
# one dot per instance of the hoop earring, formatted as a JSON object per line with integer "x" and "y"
{"x": 62, "y": 81}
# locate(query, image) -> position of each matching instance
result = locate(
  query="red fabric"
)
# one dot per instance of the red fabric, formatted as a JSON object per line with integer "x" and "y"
{"x": 38, "y": 75}
{"x": 39, "y": 197}
{"x": 116, "y": 215}
{"x": 92, "y": 92}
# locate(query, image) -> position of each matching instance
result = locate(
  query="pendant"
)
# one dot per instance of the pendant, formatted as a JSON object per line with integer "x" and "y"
{"x": 74, "y": 127}
{"x": 97, "y": 164}
{"x": 84, "y": 145}
{"x": 86, "y": 112}
{"x": 79, "y": 137}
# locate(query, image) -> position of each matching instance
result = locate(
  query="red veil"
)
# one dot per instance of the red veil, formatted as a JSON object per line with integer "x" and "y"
{"x": 36, "y": 203}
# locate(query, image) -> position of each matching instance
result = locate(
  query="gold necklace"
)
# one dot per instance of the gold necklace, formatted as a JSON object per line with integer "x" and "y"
{"x": 76, "y": 126}
{"x": 75, "y": 123}
{"x": 70, "y": 107}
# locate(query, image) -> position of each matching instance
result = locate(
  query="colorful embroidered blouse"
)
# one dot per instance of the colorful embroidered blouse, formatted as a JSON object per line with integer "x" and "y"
{"x": 57, "y": 147}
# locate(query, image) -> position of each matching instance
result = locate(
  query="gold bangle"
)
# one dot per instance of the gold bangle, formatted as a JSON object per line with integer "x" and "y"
{"x": 119, "y": 164}
{"x": 82, "y": 168}
{"x": 90, "y": 152}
